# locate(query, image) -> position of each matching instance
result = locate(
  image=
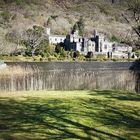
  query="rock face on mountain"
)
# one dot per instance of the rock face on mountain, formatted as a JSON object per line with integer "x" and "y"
{"x": 61, "y": 15}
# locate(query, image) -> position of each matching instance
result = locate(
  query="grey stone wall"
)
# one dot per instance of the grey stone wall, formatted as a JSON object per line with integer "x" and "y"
{"x": 70, "y": 76}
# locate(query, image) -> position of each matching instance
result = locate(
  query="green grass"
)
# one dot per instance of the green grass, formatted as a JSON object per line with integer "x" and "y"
{"x": 70, "y": 115}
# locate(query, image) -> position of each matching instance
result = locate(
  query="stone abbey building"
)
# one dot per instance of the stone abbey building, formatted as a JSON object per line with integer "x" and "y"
{"x": 97, "y": 44}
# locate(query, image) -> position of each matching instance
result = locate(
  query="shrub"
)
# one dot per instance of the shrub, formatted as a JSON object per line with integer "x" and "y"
{"x": 81, "y": 58}
{"x": 54, "y": 17}
{"x": 63, "y": 53}
{"x": 48, "y": 22}
{"x": 12, "y": 37}
{"x": 58, "y": 48}
{"x": 52, "y": 58}
{"x": 137, "y": 52}
{"x": 100, "y": 57}
{"x": 103, "y": 9}
{"x": 76, "y": 54}
{"x": 89, "y": 55}
{"x": 6, "y": 15}
{"x": 114, "y": 38}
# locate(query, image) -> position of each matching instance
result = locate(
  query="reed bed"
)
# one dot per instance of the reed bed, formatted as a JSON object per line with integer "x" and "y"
{"x": 18, "y": 70}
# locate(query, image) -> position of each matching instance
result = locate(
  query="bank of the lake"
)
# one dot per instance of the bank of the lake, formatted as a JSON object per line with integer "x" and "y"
{"x": 25, "y": 76}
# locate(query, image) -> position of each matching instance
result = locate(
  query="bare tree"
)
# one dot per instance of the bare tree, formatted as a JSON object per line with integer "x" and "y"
{"x": 1, "y": 50}
{"x": 2, "y": 47}
{"x": 132, "y": 15}
{"x": 34, "y": 38}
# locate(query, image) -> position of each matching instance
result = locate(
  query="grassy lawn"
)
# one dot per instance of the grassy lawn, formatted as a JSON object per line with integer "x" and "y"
{"x": 75, "y": 115}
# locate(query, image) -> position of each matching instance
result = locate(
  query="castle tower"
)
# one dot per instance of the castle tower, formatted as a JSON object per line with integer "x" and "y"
{"x": 95, "y": 33}
{"x": 100, "y": 43}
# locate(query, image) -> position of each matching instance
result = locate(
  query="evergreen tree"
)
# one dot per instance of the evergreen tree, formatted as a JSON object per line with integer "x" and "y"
{"x": 81, "y": 26}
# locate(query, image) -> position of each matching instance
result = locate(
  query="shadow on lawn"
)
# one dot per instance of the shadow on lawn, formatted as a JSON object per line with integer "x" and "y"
{"x": 117, "y": 114}
{"x": 57, "y": 119}
{"x": 120, "y": 95}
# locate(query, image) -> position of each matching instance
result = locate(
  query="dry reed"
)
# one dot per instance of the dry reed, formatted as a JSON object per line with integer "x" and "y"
{"x": 18, "y": 70}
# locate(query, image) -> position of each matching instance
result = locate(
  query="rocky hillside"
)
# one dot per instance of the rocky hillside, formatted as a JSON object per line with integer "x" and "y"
{"x": 60, "y": 15}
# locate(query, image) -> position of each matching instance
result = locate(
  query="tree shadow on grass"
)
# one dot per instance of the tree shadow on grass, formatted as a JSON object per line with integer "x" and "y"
{"x": 34, "y": 119}
{"x": 117, "y": 115}
{"x": 112, "y": 102}
{"x": 114, "y": 112}
{"x": 120, "y": 95}
{"x": 61, "y": 119}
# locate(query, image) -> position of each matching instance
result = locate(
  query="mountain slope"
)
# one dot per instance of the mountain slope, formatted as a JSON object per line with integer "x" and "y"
{"x": 60, "y": 15}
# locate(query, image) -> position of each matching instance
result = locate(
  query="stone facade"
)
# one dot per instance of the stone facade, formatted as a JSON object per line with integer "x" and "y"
{"x": 97, "y": 44}
{"x": 74, "y": 42}
{"x": 121, "y": 50}
{"x": 54, "y": 39}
